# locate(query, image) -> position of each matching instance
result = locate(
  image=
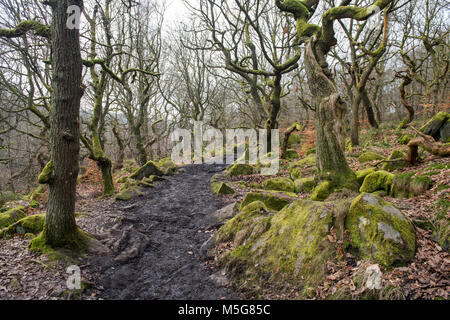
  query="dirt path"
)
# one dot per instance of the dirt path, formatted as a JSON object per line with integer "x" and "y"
{"x": 171, "y": 217}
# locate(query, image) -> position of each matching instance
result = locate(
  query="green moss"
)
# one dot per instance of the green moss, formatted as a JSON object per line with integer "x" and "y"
{"x": 294, "y": 139}
{"x": 130, "y": 166}
{"x": 9, "y": 217}
{"x": 122, "y": 179}
{"x": 279, "y": 183}
{"x": 168, "y": 166}
{"x": 362, "y": 174}
{"x": 405, "y": 139}
{"x": 128, "y": 193}
{"x": 379, "y": 180}
{"x": 291, "y": 154}
{"x": 32, "y": 224}
{"x": 251, "y": 221}
{"x": 380, "y": 232}
{"x": 304, "y": 184}
{"x": 7, "y": 196}
{"x": 77, "y": 243}
{"x": 47, "y": 173}
{"x": 309, "y": 161}
{"x": 221, "y": 188}
{"x": 294, "y": 249}
{"x": 273, "y": 202}
{"x": 322, "y": 191}
{"x": 432, "y": 127}
{"x": 396, "y": 154}
{"x": 295, "y": 173}
{"x": 369, "y": 156}
{"x": 150, "y": 168}
{"x": 238, "y": 169}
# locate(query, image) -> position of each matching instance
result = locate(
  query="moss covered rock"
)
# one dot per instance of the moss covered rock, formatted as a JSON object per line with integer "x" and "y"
{"x": 304, "y": 184}
{"x": 410, "y": 184}
{"x": 291, "y": 154}
{"x": 396, "y": 154}
{"x": 433, "y": 126}
{"x": 251, "y": 221}
{"x": 167, "y": 166}
{"x": 9, "y": 217}
{"x": 379, "y": 180}
{"x": 380, "y": 232}
{"x": 221, "y": 188}
{"x": 295, "y": 173}
{"x": 294, "y": 248}
{"x": 274, "y": 202}
{"x": 33, "y": 224}
{"x": 309, "y": 161}
{"x": 362, "y": 174}
{"x": 444, "y": 132}
{"x": 129, "y": 193}
{"x": 369, "y": 156}
{"x": 279, "y": 183}
{"x": 149, "y": 169}
{"x": 239, "y": 169}
{"x": 322, "y": 191}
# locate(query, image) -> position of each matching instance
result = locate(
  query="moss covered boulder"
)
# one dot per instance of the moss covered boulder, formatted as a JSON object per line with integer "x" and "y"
{"x": 149, "y": 169}
{"x": 274, "y": 202}
{"x": 380, "y": 232}
{"x": 33, "y": 224}
{"x": 445, "y": 131}
{"x": 279, "y": 183}
{"x": 251, "y": 221}
{"x": 167, "y": 166}
{"x": 322, "y": 191}
{"x": 396, "y": 154}
{"x": 221, "y": 188}
{"x": 295, "y": 173}
{"x": 369, "y": 156}
{"x": 410, "y": 184}
{"x": 309, "y": 161}
{"x": 378, "y": 181}
{"x": 294, "y": 248}
{"x": 10, "y": 216}
{"x": 291, "y": 154}
{"x": 239, "y": 169}
{"x": 129, "y": 193}
{"x": 362, "y": 174}
{"x": 433, "y": 126}
{"x": 304, "y": 184}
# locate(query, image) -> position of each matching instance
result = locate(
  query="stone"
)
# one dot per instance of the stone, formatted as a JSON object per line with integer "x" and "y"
{"x": 280, "y": 184}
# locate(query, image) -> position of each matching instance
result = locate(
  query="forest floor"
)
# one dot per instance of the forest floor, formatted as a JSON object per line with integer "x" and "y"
{"x": 154, "y": 242}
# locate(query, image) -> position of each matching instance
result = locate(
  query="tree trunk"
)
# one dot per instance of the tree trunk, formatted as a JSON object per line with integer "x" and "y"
{"x": 354, "y": 134}
{"x": 61, "y": 173}
{"x": 368, "y": 106}
{"x": 330, "y": 157}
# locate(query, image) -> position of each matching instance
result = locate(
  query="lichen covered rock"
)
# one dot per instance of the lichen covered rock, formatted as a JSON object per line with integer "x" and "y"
{"x": 279, "y": 183}
{"x": 379, "y": 180}
{"x": 379, "y": 231}
{"x": 274, "y": 202}
{"x": 9, "y": 217}
{"x": 369, "y": 156}
{"x": 149, "y": 169}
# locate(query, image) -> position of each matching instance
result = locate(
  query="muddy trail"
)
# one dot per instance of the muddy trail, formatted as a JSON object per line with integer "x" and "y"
{"x": 156, "y": 244}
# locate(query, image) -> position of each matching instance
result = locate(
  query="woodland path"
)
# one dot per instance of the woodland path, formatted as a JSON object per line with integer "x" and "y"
{"x": 172, "y": 216}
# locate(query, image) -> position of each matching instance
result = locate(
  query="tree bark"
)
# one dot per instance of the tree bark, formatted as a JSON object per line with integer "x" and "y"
{"x": 60, "y": 228}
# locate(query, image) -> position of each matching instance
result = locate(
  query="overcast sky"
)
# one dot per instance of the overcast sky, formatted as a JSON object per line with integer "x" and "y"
{"x": 176, "y": 10}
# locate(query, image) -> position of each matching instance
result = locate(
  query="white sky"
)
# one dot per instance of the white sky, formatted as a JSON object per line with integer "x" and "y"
{"x": 176, "y": 10}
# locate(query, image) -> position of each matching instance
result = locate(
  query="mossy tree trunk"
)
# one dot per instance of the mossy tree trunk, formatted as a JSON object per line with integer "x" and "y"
{"x": 60, "y": 228}
{"x": 330, "y": 110}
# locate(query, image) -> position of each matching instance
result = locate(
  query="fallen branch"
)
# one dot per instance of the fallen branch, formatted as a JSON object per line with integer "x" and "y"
{"x": 427, "y": 143}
